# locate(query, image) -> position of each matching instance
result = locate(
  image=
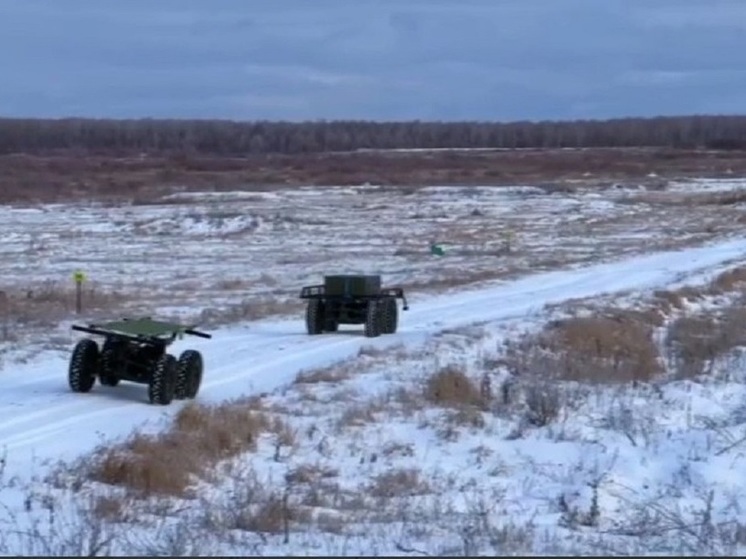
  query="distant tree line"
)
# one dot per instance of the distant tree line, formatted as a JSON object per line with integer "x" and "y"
{"x": 230, "y": 138}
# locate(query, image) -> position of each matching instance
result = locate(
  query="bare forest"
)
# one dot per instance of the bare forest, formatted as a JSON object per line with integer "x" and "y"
{"x": 215, "y": 137}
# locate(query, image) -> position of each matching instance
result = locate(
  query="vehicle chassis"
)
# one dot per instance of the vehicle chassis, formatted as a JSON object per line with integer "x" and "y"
{"x": 135, "y": 350}
{"x": 377, "y": 310}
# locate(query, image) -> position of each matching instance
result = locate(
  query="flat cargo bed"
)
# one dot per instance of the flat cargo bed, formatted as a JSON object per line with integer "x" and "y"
{"x": 141, "y": 327}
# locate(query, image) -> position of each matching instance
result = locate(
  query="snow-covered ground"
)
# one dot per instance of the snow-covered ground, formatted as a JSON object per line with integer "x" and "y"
{"x": 38, "y": 410}
{"x": 618, "y": 469}
{"x": 223, "y": 257}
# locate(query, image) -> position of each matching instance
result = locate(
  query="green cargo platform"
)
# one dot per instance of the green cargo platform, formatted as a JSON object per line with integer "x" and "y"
{"x": 143, "y": 327}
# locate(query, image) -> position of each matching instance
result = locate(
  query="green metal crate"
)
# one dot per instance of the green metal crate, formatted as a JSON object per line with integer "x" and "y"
{"x": 352, "y": 285}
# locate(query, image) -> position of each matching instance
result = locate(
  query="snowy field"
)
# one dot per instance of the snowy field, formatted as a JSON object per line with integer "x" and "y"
{"x": 427, "y": 442}
{"x": 224, "y": 257}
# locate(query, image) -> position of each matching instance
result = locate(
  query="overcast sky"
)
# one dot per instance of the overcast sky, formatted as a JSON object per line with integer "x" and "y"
{"x": 372, "y": 59}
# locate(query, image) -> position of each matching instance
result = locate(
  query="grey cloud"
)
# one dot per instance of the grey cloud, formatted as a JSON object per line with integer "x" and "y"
{"x": 380, "y": 59}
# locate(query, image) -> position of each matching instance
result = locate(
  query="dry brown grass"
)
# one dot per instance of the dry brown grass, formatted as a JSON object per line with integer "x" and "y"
{"x": 451, "y": 387}
{"x": 398, "y": 482}
{"x": 456, "y": 419}
{"x": 544, "y": 400}
{"x": 271, "y": 516}
{"x": 253, "y": 504}
{"x": 668, "y": 300}
{"x": 68, "y": 177}
{"x": 360, "y": 414}
{"x": 617, "y": 345}
{"x": 729, "y": 281}
{"x": 695, "y": 342}
{"x": 732, "y": 281}
{"x": 49, "y": 302}
{"x": 599, "y": 349}
{"x": 168, "y": 463}
{"x": 110, "y": 508}
{"x": 448, "y": 388}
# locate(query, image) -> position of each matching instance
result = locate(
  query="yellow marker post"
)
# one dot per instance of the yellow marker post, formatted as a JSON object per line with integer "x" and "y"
{"x": 78, "y": 278}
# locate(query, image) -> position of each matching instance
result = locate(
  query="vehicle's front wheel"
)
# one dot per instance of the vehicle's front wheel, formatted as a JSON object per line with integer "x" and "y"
{"x": 189, "y": 374}
{"x": 163, "y": 380}
{"x": 373, "y": 320}
{"x": 83, "y": 366}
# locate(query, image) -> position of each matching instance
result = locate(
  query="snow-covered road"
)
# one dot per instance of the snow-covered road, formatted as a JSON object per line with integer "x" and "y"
{"x": 41, "y": 419}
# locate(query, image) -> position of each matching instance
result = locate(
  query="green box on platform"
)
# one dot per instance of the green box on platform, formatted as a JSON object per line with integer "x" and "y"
{"x": 352, "y": 285}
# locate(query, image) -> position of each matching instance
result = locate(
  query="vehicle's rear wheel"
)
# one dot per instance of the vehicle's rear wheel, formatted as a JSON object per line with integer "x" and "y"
{"x": 315, "y": 316}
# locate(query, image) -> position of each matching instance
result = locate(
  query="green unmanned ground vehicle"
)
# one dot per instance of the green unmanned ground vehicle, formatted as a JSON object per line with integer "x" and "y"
{"x": 135, "y": 350}
{"x": 352, "y": 299}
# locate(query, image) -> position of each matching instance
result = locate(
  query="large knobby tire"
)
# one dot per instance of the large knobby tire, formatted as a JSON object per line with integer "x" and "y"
{"x": 83, "y": 366}
{"x": 109, "y": 355}
{"x": 188, "y": 374}
{"x": 390, "y": 316}
{"x": 330, "y": 325}
{"x": 372, "y": 328}
{"x": 163, "y": 380}
{"x": 315, "y": 317}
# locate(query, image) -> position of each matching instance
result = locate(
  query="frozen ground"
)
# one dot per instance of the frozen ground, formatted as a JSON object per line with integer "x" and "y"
{"x": 410, "y": 481}
{"x": 390, "y": 475}
{"x": 235, "y": 256}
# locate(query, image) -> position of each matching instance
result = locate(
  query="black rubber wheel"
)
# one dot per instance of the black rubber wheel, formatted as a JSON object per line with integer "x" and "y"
{"x": 315, "y": 317}
{"x": 373, "y": 320}
{"x": 188, "y": 374}
{"x": 390, "y": 316}
{"x": 83, "y": 366}
{"x": 330, "y": 321}
{"x": 109, "y": 355}
{"x": 163, "y": 380}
